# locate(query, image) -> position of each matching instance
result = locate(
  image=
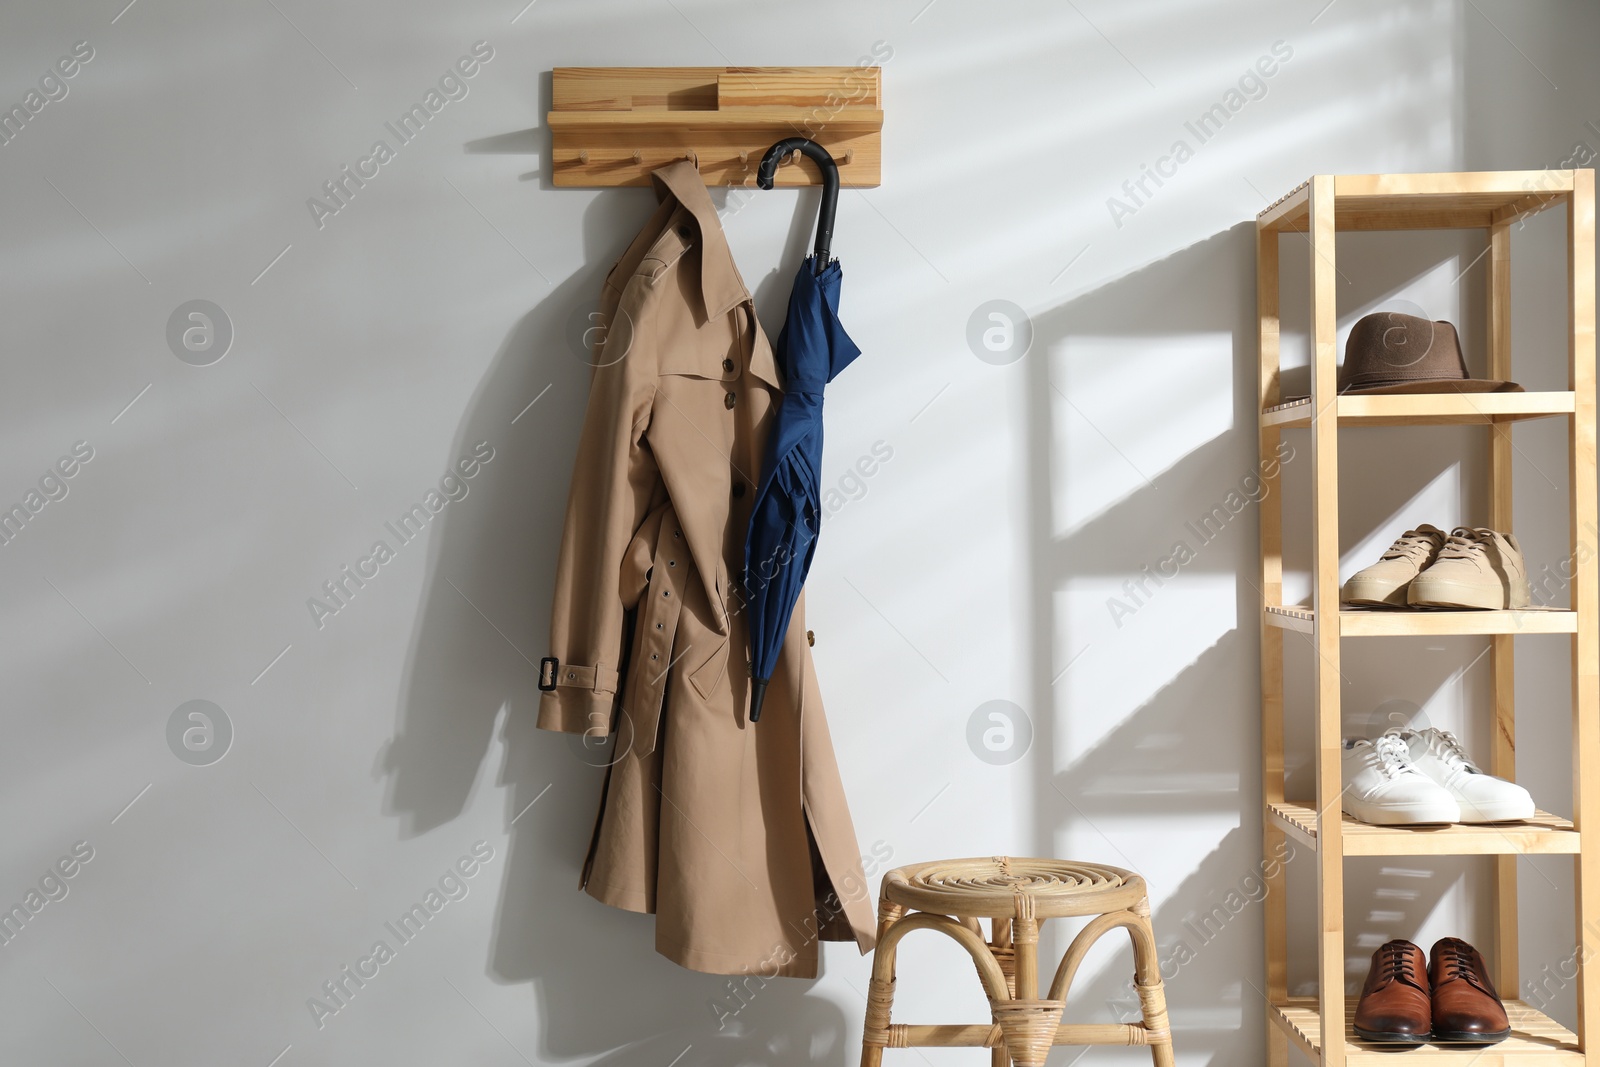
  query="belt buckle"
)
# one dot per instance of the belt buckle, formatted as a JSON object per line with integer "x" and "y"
{"x": 554, "y": 665}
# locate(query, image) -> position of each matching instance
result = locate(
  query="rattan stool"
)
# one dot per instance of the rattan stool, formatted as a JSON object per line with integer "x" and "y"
{"x": 1016, "y": 895}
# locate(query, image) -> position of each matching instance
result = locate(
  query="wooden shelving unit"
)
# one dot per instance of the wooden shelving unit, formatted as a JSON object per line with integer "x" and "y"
{"x": 1495, "y": 202}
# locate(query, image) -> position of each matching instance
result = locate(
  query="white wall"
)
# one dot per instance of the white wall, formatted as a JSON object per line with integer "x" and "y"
{"x": 975, "y": 565}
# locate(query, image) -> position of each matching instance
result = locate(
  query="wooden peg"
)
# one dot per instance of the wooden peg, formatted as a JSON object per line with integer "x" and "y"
{"x": 638, "y": 157}
{"x": 849, "y": 156}
{"x": 583, "y": 156}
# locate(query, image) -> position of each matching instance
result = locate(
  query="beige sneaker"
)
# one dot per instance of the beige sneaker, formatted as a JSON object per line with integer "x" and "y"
{"x": 1385, "y": 583}
{"x": 1477, "y": 568}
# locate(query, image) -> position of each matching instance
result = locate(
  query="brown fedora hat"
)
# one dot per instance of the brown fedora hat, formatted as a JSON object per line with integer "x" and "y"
{"x": 1393, "y": 353}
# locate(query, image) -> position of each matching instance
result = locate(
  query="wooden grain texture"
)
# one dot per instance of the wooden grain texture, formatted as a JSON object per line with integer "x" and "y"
{"x": 1508, "y": 186}
{"x": 1270, "y": 517}
{"x": 612, "y": 126}
{"x": 624, "y": 88}
{"x": 1531, "y": 204}
{"x": 1427, "y": 409}
{"x": 1585, "y": 596}
{"x": 707, "y": 88}
{"x": 1359, "y": 622}
{"x": 1543, "y": 835}
{"x": 619, "y": 125}
{"x": 1503, "y": 951}
{"x": 1426, "y": 201}
{"x": 1326, "y": 679}
{"x": 1378, "y": 623}
{"x": 1536, "y": 1039}
{"x": 803, "y": 87}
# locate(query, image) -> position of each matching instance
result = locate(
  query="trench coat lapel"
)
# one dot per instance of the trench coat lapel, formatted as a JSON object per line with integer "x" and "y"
{"x": 721, "y": 287}
{"x": 683, "y": 455}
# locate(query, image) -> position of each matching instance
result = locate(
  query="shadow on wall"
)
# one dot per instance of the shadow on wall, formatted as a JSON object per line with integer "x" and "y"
{"x": 1191, "y": 748}
{"x": 1187, "y": 750}
{"x": 471, "y": 690}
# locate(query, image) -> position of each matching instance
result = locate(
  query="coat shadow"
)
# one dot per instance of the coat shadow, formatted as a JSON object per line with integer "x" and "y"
{"x": 469, "y": 701}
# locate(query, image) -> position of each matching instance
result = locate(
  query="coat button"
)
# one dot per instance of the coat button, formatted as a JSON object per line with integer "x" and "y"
{"x": 811, "y": 637}
{"x": 727, "y": 364}
{"x": 738, "y": 490}
{"x": 684, "y": 232}
{"x": 728, "y": 400}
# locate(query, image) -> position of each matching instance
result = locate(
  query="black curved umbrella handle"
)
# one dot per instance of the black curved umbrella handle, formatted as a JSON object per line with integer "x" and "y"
{"x": 830, "y": 186}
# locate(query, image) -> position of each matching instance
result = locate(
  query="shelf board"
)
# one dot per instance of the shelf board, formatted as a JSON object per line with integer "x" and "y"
{"x": 1358, "y": 622}
{"x": 1535, "y": 1038}
{"x": 1427, "y": 409}
{"x": 1544, "y": 834}
{"x": 1423, "y": 201}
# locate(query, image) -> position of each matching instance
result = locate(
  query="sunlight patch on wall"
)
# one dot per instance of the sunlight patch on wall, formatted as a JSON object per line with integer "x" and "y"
{"x": 1126, "y": 409}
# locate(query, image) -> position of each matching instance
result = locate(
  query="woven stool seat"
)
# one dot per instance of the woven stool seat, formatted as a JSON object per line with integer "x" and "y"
{"x": 1016, "y": 895}
{"x": 987, "y": 887}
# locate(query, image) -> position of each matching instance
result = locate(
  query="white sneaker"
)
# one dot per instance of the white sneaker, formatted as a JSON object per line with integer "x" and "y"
{"x": 1382, "y": 785}
{"x": 1481, "y": 797}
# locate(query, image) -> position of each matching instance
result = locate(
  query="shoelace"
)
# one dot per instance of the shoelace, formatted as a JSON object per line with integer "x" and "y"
{"x": 1396, "y": 963}
{"x": 1412, "y": 545}
{"x": 1451, "y": 751}
{"x": 1455, "y": 961}
{"x": 1393, "y": 756}
{"x": 1464, "y": 543}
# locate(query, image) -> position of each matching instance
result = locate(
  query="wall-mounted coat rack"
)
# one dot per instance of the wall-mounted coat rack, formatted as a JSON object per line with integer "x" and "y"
{"x": 614, "y": 125}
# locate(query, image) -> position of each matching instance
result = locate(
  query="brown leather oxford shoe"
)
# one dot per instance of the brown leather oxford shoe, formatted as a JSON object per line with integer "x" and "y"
{"x": 1466, "y": 1009}
{"x": 1396, "y": 1006}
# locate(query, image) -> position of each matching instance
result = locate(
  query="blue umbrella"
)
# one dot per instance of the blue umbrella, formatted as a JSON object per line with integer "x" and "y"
{"x": 784, "y": 521}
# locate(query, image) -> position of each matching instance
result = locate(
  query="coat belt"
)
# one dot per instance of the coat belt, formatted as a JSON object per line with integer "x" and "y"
{"x": 657, "y": 627}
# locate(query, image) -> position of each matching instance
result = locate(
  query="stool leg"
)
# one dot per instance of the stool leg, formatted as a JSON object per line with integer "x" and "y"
{"x": 1025, "y": 934}
{"x": 880, "y": 990}
{"x": 1000, "y": 946}
{"x": 1152, "y": 995}
{"x": 1028, "y": 1024}
{"x": 1004, "y": 952}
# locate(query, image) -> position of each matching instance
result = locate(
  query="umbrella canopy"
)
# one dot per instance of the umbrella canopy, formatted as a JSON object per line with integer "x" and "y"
{"x": 812, "y": 349}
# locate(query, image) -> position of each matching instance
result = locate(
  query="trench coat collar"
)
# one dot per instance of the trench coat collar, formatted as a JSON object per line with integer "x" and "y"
{"x": 721, "y": 288}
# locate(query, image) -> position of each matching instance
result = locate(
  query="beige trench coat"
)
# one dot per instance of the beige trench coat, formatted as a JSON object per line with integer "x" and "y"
{"x": 736, "y": 836}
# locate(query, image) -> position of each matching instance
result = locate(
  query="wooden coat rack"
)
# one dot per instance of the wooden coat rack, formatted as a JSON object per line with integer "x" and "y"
{"x": 612, "y": 126}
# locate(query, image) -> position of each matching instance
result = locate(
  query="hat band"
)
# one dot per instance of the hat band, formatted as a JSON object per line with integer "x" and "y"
{"x": 1402, "y": 379}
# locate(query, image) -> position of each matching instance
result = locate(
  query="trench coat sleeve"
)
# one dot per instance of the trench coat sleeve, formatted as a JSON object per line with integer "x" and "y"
{"x": 612, "y": 482}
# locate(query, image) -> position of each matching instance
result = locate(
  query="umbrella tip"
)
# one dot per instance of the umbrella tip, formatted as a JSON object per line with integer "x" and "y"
{"x": 758, "y": 693}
